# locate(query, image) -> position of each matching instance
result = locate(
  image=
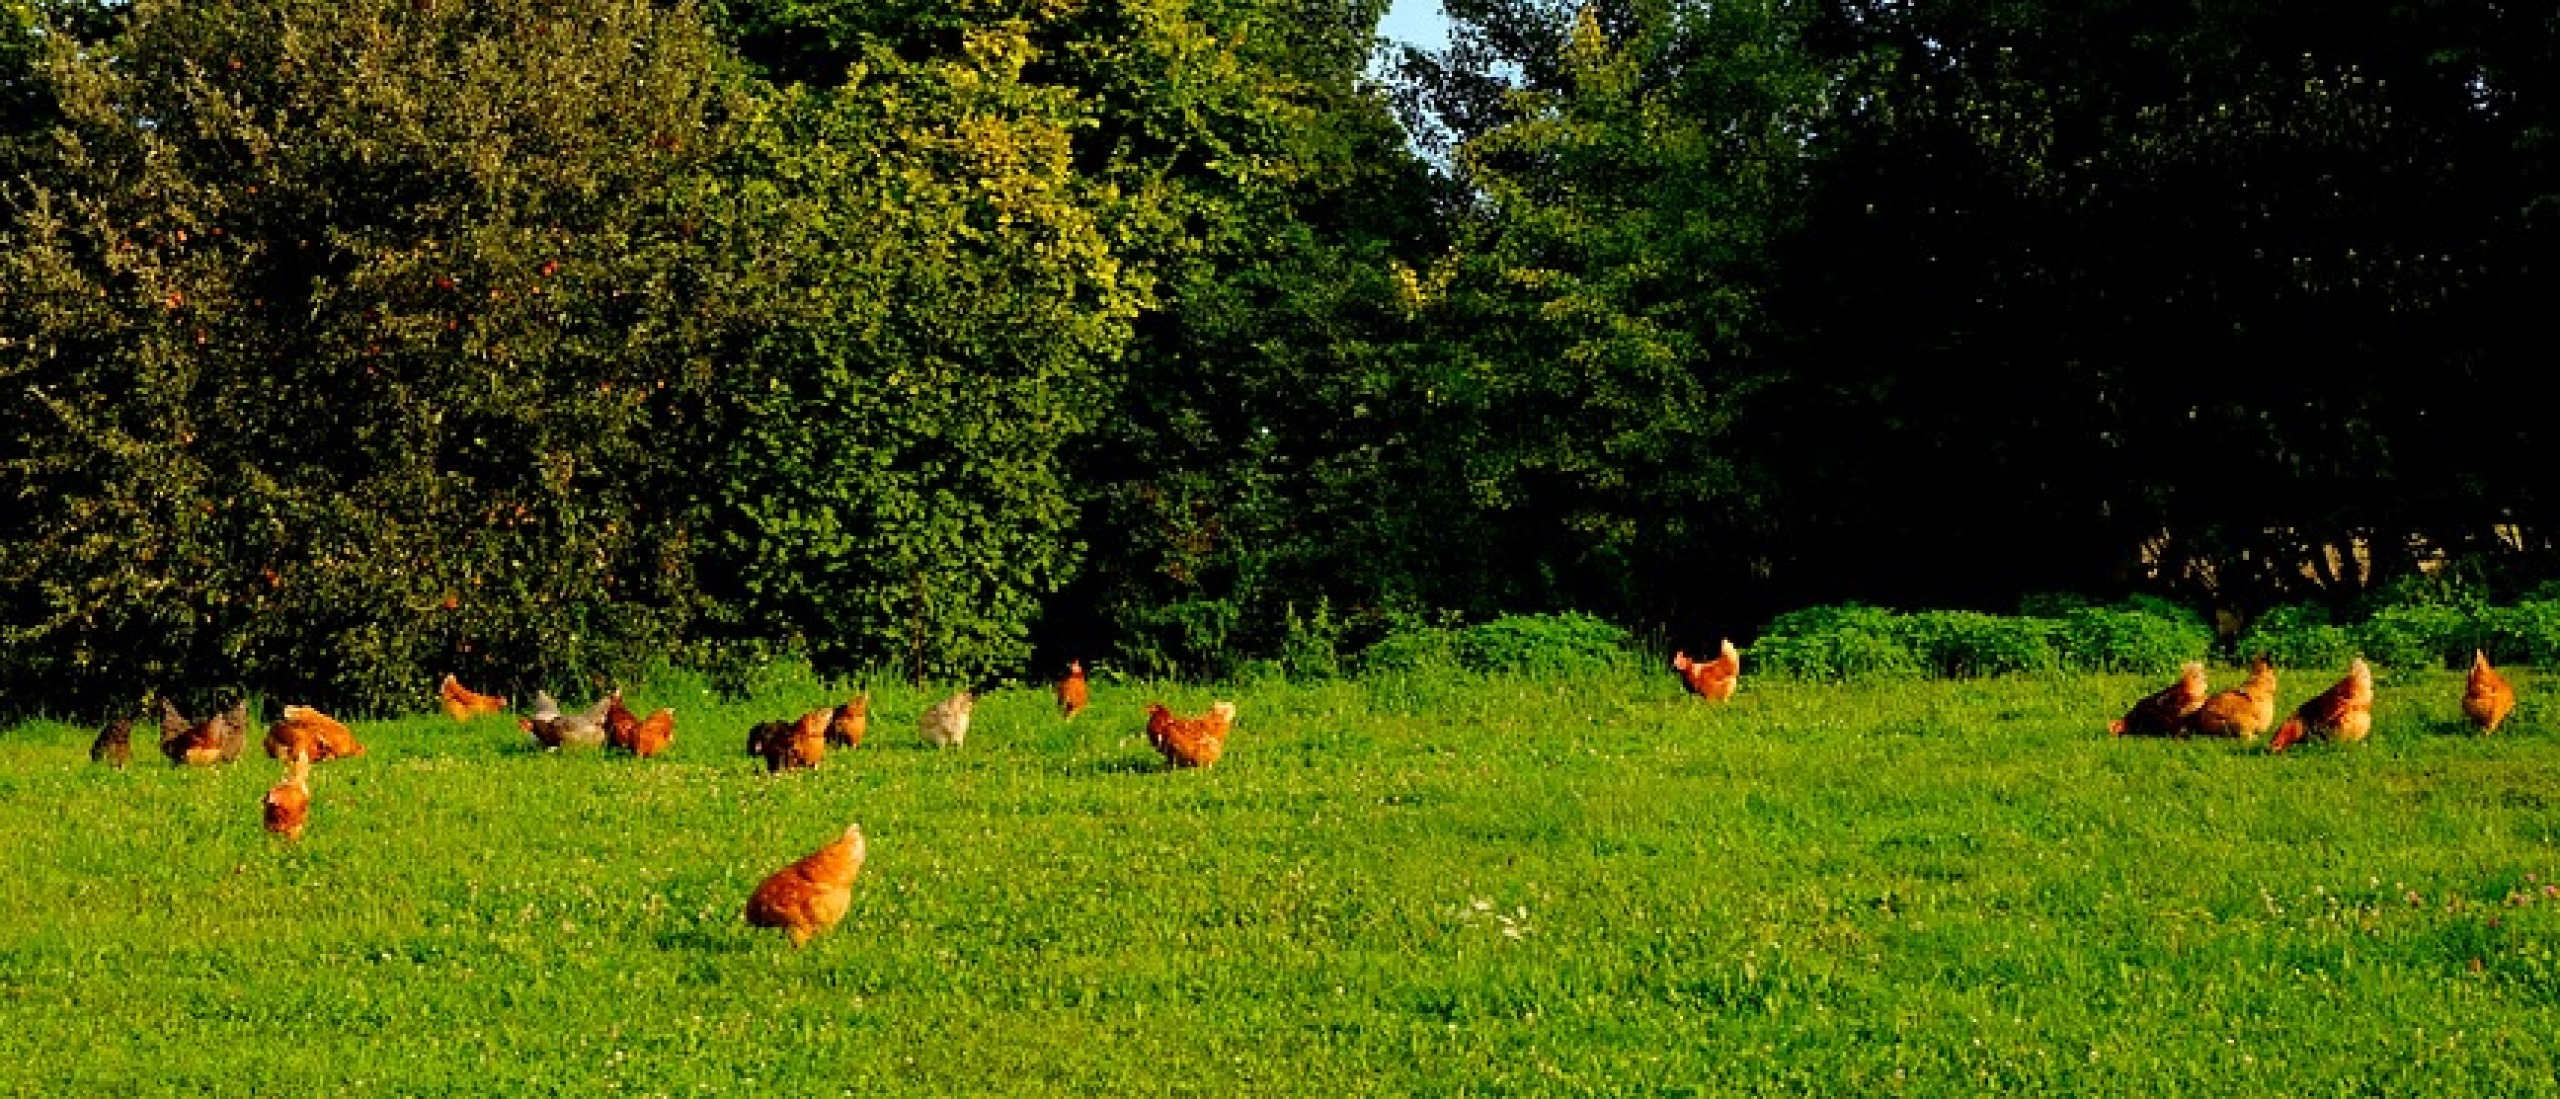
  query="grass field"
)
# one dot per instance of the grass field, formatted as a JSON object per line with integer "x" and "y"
{"x": 1431, "y": 887}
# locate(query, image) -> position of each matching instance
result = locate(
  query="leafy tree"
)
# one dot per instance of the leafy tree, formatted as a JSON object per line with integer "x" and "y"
{"x": 346, "y": 333}
{"x": 1267, "y": 459}
{"x": 2202, "y": 298}
{"x": 934, "y": 302}
{"x": 26, "y": 98}
{"x": 1604, "y": 302}
{"x": 1255, "y": 192}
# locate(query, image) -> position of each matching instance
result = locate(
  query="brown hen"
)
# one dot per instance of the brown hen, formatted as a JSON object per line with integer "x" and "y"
{"x": 2486, "y": 696}
{"x": 790, "y": 745}
{"x": 2165, "y": 712}
{"x": 2240, "y": 714}
{"x": 845, "y": 728}
{"x": 655, "y": 733}
{"x": 306, "y": 730}
{"x": 619, "y": 723}
{"x": 462, "y": 703}
{"x": 220, "y": 739}
{"x": 1072, "y": 690}
{"x": 811, "y": 895}
{"x": 1190, "y": 741}
{"x": 1713, "y": 680}
{"x": 2343, "y": 712}
{"x": 288, "y": 804}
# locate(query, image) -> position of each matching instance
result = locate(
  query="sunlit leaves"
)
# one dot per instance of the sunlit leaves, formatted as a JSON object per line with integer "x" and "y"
{"x": 936, "y": 298}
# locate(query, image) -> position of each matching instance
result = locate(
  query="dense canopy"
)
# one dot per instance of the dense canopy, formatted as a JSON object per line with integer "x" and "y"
{"x": 353, "y": 342}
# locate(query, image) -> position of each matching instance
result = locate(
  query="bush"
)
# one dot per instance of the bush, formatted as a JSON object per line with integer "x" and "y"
{"x": 1834, "y": 643}
{"x": 2051, "y": 604}
{"x": 1179, "y": 640}
{"x": 2454, "y": 589}
{"x": 1412, "y": 644}
{"x": 2298, "y": 636}
{"x": 1311, "y": 644}
{"x": 1957, "y": 644}
{"x": 2131, "y": 639}
{"x": 2527, "y": 633}
{"x": 1544, "y": 643}
{"x": 2163, "y": 609}
{"x": 2419, "y": 636}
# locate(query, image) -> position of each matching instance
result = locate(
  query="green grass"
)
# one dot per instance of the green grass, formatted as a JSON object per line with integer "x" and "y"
{"x": 1438, "y": 886}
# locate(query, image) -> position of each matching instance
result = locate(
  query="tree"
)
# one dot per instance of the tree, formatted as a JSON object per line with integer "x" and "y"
{"x": 1255, "y": 193}
{"x": 1603, "y": 308}
{"x": 1260, "y": 463}
{"x": 934, "y": 303}
{"x": 346, "y": 333}
{"x": 2203, "y": 299}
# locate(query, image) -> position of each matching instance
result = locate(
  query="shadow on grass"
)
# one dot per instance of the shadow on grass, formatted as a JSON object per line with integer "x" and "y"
{"x": 2461, "y": 728}
{"x": 1117, "y": 765}
{"x": 704, "y": 940}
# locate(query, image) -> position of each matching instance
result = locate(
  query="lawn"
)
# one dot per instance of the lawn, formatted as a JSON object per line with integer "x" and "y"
{"x": 1427, "y": 886}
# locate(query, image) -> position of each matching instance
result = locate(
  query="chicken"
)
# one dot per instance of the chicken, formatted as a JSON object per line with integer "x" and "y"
{"x": 2486, "y": 696}
{"x": 2343, "y": 712}
{"x": 655, "y": 733}
{"x": 172, "y": 723}
{"x": 1713, "y": 680}
{"x": 462, "y": 703}
{"x": 790, "y": 745}
{"x": 114, "y": 746}
{"x": 947, "y": 723}
{"x": 555, "y": 730}
{"x": 305, "y": 730}
{"x": 2240, "y": 714}
{"x": 218, "y": 740}
{"x": 2165, "y": 713}
{"x": 762, "y": 736}
{"x": 286, "y": 736}
{"x": 1072, "y": 691}
{"x": 845, "y": 729}
{"x": 288, "y": 805}
{"x": 811, "y": 895}
{"x": 619, "y": 723}
{"x": 1190, "y": 741}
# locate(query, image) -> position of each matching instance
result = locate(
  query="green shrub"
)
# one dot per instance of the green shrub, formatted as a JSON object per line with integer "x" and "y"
{"x": 2160, "y": 608}
{"x": 2130, "y": 639}
{"x": 2052, "y": 604}
{"x": 1957, "y": 644}
{"x": 2418, "y": 635}
{"x": 1834, "y": 643}
{"x": 2298, "y": 636}
{"x": 2526, "y": 633}
{"x": 1188, "y": 639}
{"x": 1543, "y": 643}
{"x": 1311, "y": 644}
{"x": 1412, "y": 644}
{"x": 737, "y": 668}
{"x": 2451, "y": 589}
